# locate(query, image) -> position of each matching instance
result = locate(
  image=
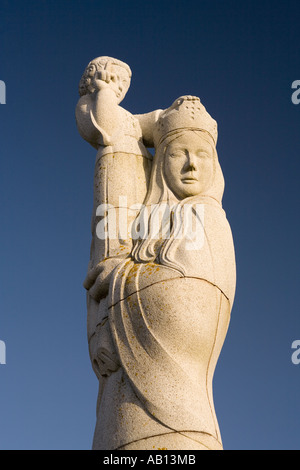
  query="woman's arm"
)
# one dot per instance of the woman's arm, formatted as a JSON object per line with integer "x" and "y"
{"x": 147, "y": 122}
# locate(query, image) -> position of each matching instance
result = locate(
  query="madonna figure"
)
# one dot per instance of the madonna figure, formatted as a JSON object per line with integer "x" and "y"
{"x": 167, "y": 311}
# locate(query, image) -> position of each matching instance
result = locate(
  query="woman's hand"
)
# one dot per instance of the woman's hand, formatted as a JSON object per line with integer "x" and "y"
{"x": 98, "y": 279}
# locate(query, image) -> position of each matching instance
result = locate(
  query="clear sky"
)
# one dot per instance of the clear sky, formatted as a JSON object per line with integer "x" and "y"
{"x": 240, "y": 58}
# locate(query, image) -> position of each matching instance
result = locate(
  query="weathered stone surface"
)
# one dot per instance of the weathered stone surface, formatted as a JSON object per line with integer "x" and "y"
{"x": 161, "y": 277}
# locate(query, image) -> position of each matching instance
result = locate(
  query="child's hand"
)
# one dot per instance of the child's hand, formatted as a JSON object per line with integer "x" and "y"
{"x": 103, "y": 78}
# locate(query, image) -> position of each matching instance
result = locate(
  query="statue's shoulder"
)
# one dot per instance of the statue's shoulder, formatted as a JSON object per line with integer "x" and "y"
{"x": 148, "y": 122}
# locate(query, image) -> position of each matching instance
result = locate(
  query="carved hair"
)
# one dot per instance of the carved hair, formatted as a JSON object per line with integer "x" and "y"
{"x": 123, "y": 70}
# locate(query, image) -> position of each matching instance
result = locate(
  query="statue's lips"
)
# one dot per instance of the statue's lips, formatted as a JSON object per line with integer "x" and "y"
{"x": 189, "y": 180}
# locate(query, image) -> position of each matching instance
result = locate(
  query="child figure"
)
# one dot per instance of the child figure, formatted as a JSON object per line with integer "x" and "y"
{"x": 121, "y": 177}
{"x": 123, "y": 163}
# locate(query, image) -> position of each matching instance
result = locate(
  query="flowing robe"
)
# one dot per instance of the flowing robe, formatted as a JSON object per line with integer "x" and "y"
{"x": 168, "y": 326}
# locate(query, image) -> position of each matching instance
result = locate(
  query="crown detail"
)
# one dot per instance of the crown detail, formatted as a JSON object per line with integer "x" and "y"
{"x": 187, "y": 112}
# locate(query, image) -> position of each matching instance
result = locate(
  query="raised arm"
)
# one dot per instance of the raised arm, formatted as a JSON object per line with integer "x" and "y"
{"x": 105, "y": 111}
{"x": 98, "y": 113}
{"x": 147, "y": 122}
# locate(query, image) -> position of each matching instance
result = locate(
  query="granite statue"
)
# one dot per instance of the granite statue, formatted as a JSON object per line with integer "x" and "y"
{"x": 161, "y": 277}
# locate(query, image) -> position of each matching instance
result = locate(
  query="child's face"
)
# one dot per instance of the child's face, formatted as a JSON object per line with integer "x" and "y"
{"x": 189, "y": 165}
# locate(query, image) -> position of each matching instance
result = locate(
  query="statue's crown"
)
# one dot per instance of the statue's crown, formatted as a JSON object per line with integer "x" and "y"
{"x": 186, "y": 113}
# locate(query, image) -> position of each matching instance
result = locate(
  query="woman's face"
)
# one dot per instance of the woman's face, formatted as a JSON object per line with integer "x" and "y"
{"x": 189, "y": 165}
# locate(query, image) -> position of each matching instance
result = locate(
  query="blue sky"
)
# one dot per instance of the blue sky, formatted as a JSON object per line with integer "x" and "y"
{"x": 240, "y": 58}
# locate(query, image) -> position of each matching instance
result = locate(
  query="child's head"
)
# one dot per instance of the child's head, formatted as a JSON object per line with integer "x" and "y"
{"x": 117, "y": 67}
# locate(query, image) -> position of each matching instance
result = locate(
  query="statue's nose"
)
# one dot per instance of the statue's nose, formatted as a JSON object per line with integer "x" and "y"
{"x": 191, "y": 161}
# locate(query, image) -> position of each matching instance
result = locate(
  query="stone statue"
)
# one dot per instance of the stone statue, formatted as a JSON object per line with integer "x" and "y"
{"x": 159, "y": 297}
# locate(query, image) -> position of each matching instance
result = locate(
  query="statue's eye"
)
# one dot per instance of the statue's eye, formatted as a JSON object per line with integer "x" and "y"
{"x": 203, "y": 155}
{"x": 177, "y": 153}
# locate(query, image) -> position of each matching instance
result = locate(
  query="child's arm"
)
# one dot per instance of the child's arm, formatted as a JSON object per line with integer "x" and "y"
{"x": 98, "y": 113}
